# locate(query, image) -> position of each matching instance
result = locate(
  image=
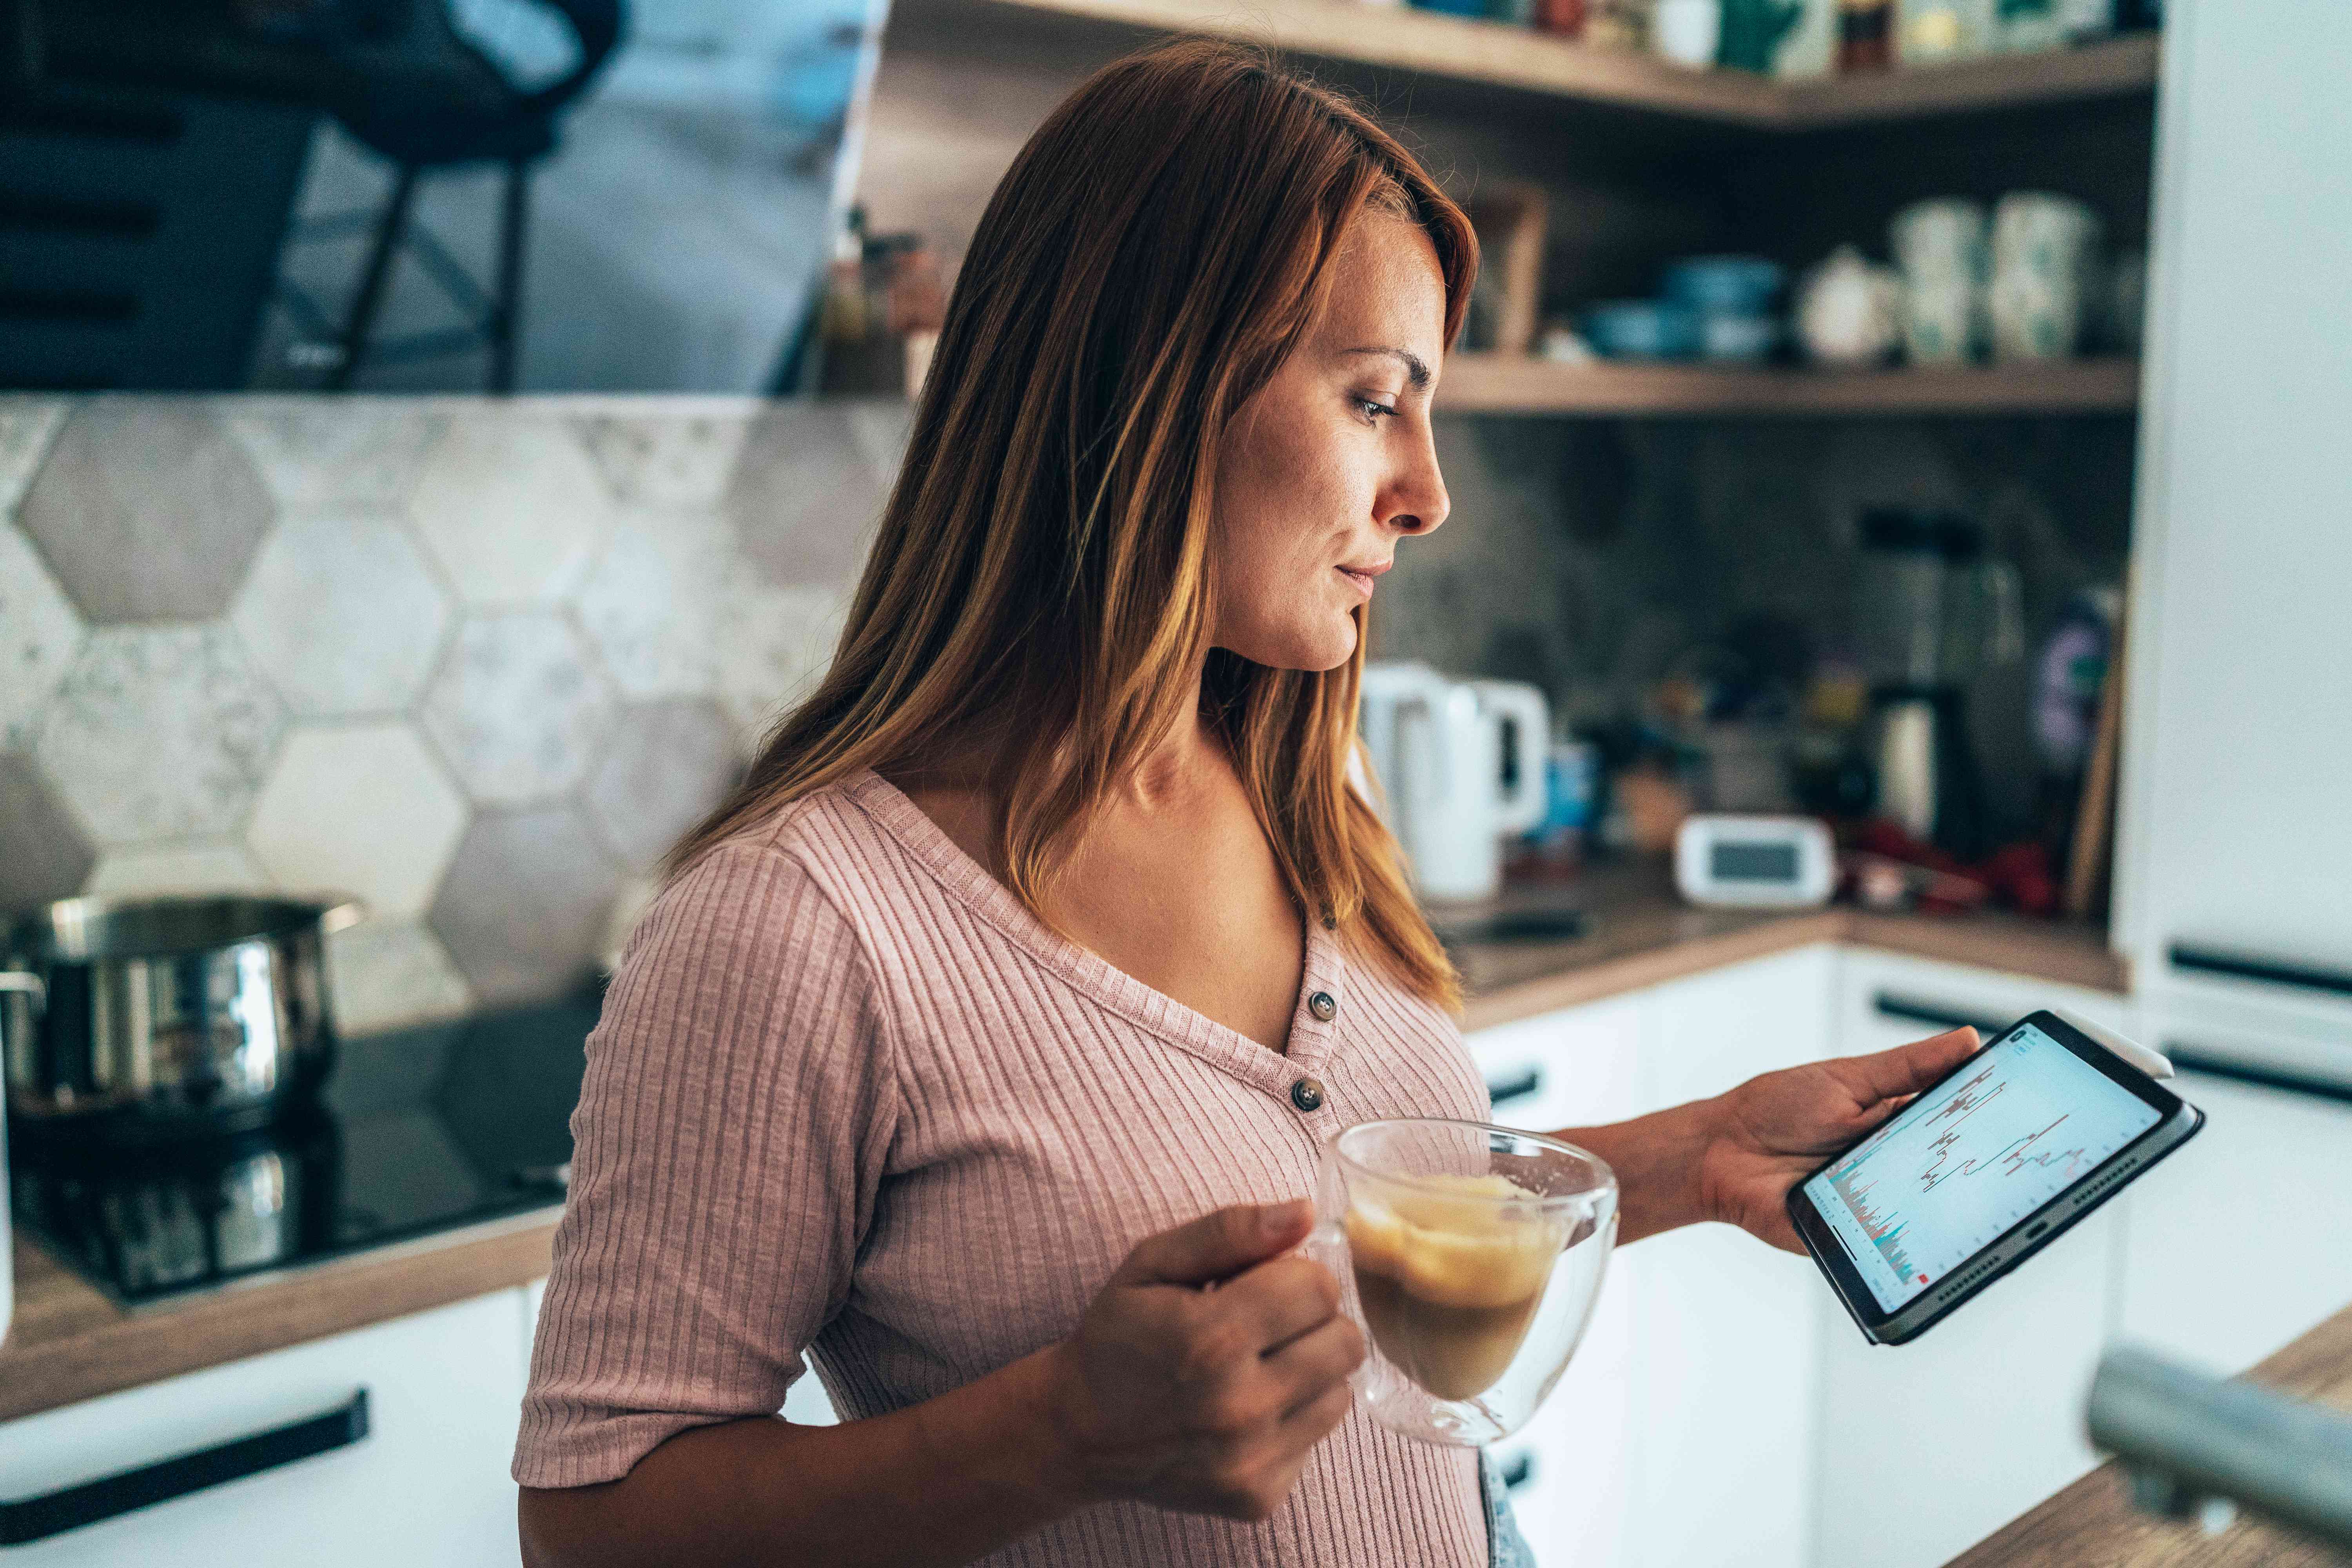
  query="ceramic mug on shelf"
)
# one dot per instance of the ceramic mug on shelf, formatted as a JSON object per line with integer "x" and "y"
{"x": 1687, "y": 31}
{"x": 2044, "y": 255}
{"x": 1946, "y": 235}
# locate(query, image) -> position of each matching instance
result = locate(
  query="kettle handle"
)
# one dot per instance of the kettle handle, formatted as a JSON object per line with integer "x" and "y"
{"x": 1522, "y": 803}
{"x": 31, "y": 984}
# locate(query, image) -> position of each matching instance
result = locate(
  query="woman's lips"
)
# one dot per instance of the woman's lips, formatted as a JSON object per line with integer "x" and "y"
{"x": 1363, "y": 576}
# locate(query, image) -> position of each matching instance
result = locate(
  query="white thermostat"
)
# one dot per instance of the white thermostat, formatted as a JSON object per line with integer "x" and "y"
{"x": 1754, "y": 862}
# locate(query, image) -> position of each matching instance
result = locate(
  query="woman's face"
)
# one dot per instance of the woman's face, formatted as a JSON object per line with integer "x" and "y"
{"x": 1332, "y": 462}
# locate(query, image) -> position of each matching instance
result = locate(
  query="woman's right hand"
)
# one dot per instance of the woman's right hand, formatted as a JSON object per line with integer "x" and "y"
{"x": 1207, "y": 1367}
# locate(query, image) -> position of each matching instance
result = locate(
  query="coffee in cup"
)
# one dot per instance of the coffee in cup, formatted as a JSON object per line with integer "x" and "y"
{"x": 1450, "y": 1275}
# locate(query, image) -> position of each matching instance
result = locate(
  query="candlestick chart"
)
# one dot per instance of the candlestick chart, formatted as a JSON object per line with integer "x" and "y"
{"x": 1971, "y": 1158}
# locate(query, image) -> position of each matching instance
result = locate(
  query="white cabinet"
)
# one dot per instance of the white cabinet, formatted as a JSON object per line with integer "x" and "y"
{"x": 2237, "y": 746}
{"x": 1726, "y": 1328}
{"x": 1927, "y": 1448}
{"x": 1572, "y": 1505}
{"x": 427, "y": 1483}
{"x": 2236, "y": 1244}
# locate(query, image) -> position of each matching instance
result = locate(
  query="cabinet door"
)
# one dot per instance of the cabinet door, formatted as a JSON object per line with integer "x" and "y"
{"x": 1726, "y": 1329}
{"x": 1572, "y": 1504}
{"x": 2235, "y": 1245}
{"x": 427, "y": 1484}
{"x": 2237, "y": 746}
{"x": 1929, "y": 1447}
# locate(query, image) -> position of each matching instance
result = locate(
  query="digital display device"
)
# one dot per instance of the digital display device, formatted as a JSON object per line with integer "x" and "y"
{"x": 1734, "y": 861}
{"x": 1971, "y": 1158}
{"x": 1982, "y": 1170}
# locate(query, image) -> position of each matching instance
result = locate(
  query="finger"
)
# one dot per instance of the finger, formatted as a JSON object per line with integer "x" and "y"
{"x": 1308, "y": 1365}
{"x": 1280, "y": 1299}
{"x": 1224, "y": 1241}
{"x": 1905, "y": 1069}
{"x": 1312, "y": 1422}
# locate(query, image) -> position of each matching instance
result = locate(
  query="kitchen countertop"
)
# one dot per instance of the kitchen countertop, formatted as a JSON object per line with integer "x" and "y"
{"x": 69, "y": 1342}
{"x": 1644, "y": 934}
{"x": 2089, "y": 1524}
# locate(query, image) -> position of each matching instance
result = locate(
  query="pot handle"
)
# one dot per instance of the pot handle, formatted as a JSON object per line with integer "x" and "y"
{"x": 31, "y": 984}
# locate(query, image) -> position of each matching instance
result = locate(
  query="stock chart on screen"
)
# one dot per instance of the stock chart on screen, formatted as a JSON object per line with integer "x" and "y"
{"x": 1970, "y": 1159}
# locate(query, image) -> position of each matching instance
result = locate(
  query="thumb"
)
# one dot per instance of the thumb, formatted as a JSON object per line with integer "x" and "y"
{"x": 1221, "y": 1243}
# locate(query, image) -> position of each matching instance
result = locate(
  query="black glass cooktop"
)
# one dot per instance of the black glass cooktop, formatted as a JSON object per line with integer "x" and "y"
{"x": 421, "y": 1131}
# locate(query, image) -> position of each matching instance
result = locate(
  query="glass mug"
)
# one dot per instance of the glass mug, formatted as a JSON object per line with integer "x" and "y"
{"x": 1470, "y": 1254}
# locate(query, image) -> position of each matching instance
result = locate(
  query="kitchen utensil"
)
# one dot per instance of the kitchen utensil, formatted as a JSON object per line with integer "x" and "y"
{"x": 1471, "y": 1255}
{"x": 1642, "y": 328}
{"x": 1752, "y": 31}
{"x": 1865, "y": 35}
{"x": 1459, "y": 765}
{"x": 1735, "y": 285}
{"x": 1687, "y": 31}
{"x": 137, "y": 1019}
{"x": 1848, "y": 310}
{"x": 1811, "y": 48}
{"x": 1935, "y": 31}
{"x": 1931, "y": 610}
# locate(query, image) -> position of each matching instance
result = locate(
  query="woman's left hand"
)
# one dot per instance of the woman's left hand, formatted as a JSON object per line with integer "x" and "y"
{"x": 1772, "y": 1130}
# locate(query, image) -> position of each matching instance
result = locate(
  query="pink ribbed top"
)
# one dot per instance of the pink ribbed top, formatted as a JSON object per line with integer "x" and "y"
{"x": 849, "y": 1097}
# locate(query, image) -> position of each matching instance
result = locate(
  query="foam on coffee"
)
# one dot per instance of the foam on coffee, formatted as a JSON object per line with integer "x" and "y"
{"x": 1450, "y": 1277}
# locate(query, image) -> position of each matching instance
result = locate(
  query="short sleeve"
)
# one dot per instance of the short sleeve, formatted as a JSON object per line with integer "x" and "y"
{"x": 727, "y": 1152}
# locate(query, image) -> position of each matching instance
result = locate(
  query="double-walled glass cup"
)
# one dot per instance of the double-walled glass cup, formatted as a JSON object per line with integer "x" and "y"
{"x": 1471, "y": 1256}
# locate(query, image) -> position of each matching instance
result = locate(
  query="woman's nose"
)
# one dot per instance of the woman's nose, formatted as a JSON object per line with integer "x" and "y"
{"x": 1417, "y": 500}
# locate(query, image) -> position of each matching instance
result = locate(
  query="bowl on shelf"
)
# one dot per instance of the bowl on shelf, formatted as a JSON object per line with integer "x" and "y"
{"x": 1726, "y": 338}
{"x": 1731, "y": 285}
{"x": 1643, "y": 329}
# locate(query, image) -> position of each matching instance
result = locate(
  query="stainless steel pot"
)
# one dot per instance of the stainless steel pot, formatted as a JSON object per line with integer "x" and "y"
{"x": 139, "y": 1019}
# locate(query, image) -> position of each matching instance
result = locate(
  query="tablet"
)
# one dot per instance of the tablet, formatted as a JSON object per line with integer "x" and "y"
{"x": 1982, "y": 1172}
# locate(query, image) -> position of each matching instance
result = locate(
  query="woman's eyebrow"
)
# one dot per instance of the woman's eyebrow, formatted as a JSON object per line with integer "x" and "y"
{"x": 1415, "y": 371}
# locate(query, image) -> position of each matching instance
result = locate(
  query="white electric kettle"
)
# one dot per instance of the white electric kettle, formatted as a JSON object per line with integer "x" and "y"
{"x": 1437, "y": 751}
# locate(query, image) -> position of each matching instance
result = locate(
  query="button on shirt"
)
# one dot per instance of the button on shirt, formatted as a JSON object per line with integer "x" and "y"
{"x": 850, "y": 1098}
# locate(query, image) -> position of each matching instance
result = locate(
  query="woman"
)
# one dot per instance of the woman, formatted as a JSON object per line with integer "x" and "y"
{"x": 1005, "y": 1008}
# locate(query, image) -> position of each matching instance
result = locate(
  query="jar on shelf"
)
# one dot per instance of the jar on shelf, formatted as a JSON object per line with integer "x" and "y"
{"x": 1865, "y": 35}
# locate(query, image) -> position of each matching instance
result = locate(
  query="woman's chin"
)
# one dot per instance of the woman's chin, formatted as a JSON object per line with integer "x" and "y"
{"x": 1312, "y": 648}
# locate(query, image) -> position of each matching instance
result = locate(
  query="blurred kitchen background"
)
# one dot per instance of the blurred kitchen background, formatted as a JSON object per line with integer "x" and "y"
{"x": 1894, "y": 437}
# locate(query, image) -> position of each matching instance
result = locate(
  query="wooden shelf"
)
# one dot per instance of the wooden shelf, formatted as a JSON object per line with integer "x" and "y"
{"x": 1503, "y": 384}
{"x": 1504, "y": 56}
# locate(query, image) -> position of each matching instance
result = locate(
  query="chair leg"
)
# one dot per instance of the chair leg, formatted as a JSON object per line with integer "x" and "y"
{"x": 378, "y": 273}
{"x": 506, "y": 307}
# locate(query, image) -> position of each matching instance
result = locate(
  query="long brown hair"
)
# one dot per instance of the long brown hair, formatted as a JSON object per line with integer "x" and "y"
{"x": 1039, "y": 578}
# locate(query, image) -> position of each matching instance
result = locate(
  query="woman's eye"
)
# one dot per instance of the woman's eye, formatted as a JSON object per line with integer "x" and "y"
{"x": 1373, "y": 410}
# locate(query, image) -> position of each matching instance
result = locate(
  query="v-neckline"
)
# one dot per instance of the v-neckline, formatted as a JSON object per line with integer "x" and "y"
{"x": 1322, "y": 972}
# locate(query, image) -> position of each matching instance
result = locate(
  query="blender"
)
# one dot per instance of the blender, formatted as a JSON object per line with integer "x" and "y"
{"x": 1932, "y": 610}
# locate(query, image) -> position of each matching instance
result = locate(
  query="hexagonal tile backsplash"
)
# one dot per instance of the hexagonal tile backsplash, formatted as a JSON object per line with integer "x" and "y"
{"x": 475, "y": 661}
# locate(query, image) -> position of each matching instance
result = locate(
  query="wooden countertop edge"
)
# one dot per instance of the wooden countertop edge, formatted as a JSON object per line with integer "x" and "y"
{"x": 129, "y": 1349}
{"x": 2007, "y": 948}
{"x": 1676, "y": 960}
{"x": 2090, "y": 1524}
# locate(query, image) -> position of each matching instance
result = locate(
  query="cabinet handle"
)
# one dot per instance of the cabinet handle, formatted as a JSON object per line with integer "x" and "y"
{"x": 33, "y": 1518}
{"x": 1501, "y": 1091}
{"x": 2194, "y": 1058}
{"x": 1904, "y": 1007}
{"x": 1518, "y": 1470}
{"x": 2254, "y": 966}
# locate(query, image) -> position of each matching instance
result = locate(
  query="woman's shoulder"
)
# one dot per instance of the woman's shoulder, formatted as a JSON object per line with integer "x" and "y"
{"x": 829, "y": 848}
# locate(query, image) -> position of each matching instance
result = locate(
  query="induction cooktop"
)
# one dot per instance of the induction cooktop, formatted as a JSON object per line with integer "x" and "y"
{"x": 421, "y": 1131}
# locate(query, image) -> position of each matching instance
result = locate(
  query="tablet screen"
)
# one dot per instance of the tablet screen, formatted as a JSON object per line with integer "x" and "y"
{"x": 1971, "y": 1158}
